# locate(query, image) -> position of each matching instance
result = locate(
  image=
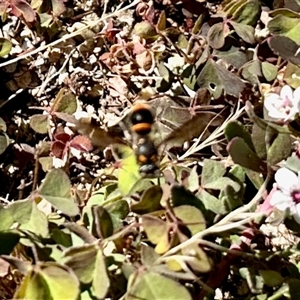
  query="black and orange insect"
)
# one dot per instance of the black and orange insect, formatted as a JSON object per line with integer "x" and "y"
{"x": 141, "y": 118}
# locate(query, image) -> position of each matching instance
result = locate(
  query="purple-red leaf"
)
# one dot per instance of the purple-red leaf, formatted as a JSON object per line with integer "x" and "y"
{"x": 81, "y": 143}
{"x": 22, "y": 8}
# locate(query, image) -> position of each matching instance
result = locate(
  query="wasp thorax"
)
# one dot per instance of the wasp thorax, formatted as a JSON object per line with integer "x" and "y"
{"x": 141, "y": 119}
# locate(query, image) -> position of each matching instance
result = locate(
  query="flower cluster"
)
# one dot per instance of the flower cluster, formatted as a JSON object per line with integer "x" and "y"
{"x": 286, "y": 197}
{"x": 284, "y": 106}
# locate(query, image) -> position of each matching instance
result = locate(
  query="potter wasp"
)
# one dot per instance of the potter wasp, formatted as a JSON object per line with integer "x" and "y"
{"x": 141, "y": 118}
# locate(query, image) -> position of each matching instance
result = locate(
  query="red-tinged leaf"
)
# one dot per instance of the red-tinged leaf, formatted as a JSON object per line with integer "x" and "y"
{"x": 22, "y": 8}
{"x": 63, "y": 137}
{"x": 65, "y": 117}
{"x": 58, "y": 149}
{"x": 81, "y": 143}
{"x": 4, "y": 267}
{"x": 3, "y": 9}
{"x": 58, "y": 7}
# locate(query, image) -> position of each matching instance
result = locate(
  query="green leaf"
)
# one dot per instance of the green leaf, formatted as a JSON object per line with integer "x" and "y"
{"x": 6, "y": 219}
{"x": 4, "y": 142}
{"x": 3, "y": 126}
{"x": 82, "y": 260}
{"x": 5, "y": 47}
{"x": 148, "y": 255}
{"x": 101, "y": 282}
{"x": 216, "y": 35}
{"x": 180, "y": 196}
{"x": 231, "y": 6}
{"x": 46, "y": 163}
{"x": 287, "y": 26}
{"x": 193, "y": 180}
{"x": 154, "y": 286}
{"x": 161, "y": 23}
{"x": 198, "y": 259}
{"x": 154, "y": 227}
{"x": 128, "y": 173}
{"x": 251, "y": 71}
{"x": 145, "y": 30}
{"x": 236, "y": 129}
{"x": 167, "y": 78}
{"x": 60, "y": 280}
{"x": 248, "y": 13}
{"x": 258, "y": 135}
{"x": 221, "y": 183}
{"x": 21, "y": 210}
{"x": 271, "y": 278}
{"x": 292, "y": 75}
{"x": 256, "y": 178}
{"x": 286, "y": 48}
{"x": 294, "y": 288}
{"x": 192, "y": 217}
{"x": 81, "y": 233}
{"x": 150, "y": 201}
{"x": 33, "y": 286}
{"x": 238, "y": 173}
{"x": 8, "y": 241}
{"x": 102, "y": 224}
{"x": 230, "y": 198}
{"x": 241, "y": 154}
{"x": 233, "y": 56}
{"x": 212, "y": 170}
{"x": 293, "y": 163}
{"x": 65, "y": 102}
{"x": 212, "y": 203}
{"x": 269, "y": 71}
{"x": 279, "y": 150}
{"x": 245, "y": 32}
{"x": 40, "y": 123}
{"x": 37, "y": 224}
{"x": 118, "y": 211}
{"x": 56, "y": 189}
{"x": 217, "y": 79}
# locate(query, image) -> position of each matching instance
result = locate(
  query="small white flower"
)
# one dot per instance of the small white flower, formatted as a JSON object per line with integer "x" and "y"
{"x": 287, "y": 197}
{"x": 175, "y": 63}
{"x": 284, "y": 106}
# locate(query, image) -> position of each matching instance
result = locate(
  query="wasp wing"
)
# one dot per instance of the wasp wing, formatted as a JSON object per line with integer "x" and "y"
{"x": 193, "y": 128}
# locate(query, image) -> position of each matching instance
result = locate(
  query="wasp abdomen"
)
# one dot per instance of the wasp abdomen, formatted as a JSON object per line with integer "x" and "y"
{"x": 146, "y": 151}
{"x": 147, "y": 156}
